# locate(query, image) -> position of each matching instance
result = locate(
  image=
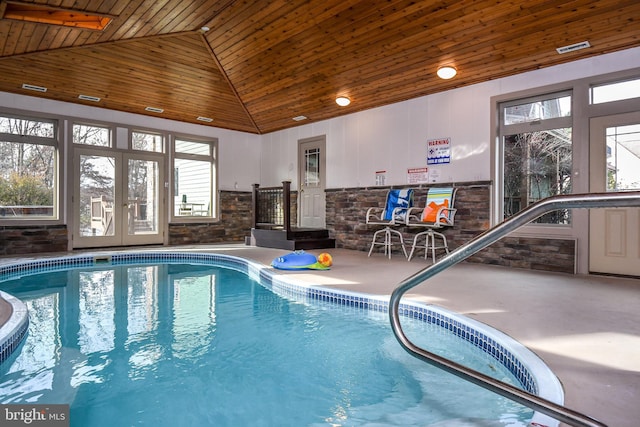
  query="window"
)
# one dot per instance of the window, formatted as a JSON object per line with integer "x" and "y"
{"x": 146, "y": 141}
{"x": 536, "y": 110}
{"x": 615, "y": 91}
{"x": 312, "y": 167}
{"x": 28, "y": 168}
{"x": 623, "y": 158}
{"x": 536, "y": 138}
{"x": 91, "y": 135}
{"x": 194, "y": 172}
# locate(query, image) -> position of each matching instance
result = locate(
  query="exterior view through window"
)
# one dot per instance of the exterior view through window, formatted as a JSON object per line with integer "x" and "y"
{"x": 28, "y": 164}
{"x": 615, "y": 91}
{"x": 623, "y": 158}
{"x": 194, "y": 178}
{"x": 536, "y": 137}
{"x": 145, "y": 141}
{"x": 97, "y": 182}
{"x": 91, "y": 135}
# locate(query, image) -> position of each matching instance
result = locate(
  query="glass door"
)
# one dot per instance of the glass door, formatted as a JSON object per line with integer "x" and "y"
{"x": 97, "y": 220}
{"x": 143, "y": 200}
{"x": 614, "y": 234}
{"x": 117, "y": 199}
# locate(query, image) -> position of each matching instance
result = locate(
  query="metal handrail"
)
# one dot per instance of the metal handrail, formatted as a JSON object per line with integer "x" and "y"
{"x": 572, "y": 201}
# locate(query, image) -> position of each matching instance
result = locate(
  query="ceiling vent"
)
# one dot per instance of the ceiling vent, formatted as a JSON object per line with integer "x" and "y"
{"x": 154, "y": 110}
{"x": 573, "y": 47}
{"x": 34, "y": 87}
{"x": 205, "y": 119}
{"x": 89, "y": 98}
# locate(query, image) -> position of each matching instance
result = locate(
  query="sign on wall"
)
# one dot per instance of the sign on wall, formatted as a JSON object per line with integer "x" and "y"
{"x": 417, "y": 175}
{"x": 438, "y": 151}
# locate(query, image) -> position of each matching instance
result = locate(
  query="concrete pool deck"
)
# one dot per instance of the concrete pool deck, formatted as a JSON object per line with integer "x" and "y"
{"x": 585, "y": 328}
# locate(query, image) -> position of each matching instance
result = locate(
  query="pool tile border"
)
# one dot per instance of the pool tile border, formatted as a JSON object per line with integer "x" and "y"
{"x": 476, "y": 335}
{"x": 15, "y": 329}
{"x": 534, "y": 376}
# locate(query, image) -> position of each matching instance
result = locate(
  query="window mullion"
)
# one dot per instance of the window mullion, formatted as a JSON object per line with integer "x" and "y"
{"x": 537, "y": 126}
{"x": 28, "y": 139}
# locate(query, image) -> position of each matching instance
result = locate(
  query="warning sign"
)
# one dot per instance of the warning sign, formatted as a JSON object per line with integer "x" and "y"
{"x": 438, "y": 151}
{"x": 417, "y": 175}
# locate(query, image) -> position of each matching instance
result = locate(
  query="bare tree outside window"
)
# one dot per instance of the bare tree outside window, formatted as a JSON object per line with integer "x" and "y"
{"x": 537, "y": 151}
{"x": 96, "y": 180}
{"x": 27, "y": 167}
{"x": 145, "y": 141}
{"x": 537, "y": 165}
{"x": 91, "y": 135}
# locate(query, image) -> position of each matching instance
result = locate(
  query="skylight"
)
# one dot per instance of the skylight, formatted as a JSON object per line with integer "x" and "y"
{"x": 54, "y": 16}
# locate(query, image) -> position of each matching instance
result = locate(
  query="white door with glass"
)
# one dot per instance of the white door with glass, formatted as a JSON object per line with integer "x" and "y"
{"x": 614, "y": 234}
{"x": 117, "y": 198}
{"x": 311, "y": 205}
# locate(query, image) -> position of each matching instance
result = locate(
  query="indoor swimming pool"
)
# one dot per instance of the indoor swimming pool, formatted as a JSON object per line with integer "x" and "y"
{"x": 182, "y": 340}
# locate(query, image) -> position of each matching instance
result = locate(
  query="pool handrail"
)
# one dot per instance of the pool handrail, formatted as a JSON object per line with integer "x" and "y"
{"x": 570, "y": 201}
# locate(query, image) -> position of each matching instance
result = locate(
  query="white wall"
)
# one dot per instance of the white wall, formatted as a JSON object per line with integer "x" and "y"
{"x": 394, "y": 137}
{"x": 239, "y": 152}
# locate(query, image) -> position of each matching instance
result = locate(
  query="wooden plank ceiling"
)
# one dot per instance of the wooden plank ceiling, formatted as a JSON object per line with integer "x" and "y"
{"x": 264, "y": 62}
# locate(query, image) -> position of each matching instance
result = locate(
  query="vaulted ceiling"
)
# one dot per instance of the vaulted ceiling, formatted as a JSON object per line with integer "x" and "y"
{"x": 262, "y": 63}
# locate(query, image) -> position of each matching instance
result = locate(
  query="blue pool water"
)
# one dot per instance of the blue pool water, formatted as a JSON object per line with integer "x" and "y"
{"x": 194, "y": 345}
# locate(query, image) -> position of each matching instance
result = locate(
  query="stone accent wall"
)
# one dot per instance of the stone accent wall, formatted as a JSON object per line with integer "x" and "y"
{"x": 234, "y": 225}
{"x": 347, "y": 207}
{"x": 33, "y": 239}
{"x": 556, "y": 255}
{"x": 346, "y": 211}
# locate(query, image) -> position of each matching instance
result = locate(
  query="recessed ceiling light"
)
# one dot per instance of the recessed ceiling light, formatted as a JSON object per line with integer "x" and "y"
{"x": 447, "y": 72}
{"x": 154, "y": 110}
{"x": 343, "y": 101}
{"x": 205, "y": 119}
{"x": 34, "y": 87}
{"x": 204, "y": 29}
{"x": 89, "y": 98}
{"x": 299, "y": 118}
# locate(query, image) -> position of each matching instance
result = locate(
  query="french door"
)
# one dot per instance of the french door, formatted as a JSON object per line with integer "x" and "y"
{"x": 118, "y": 198}
{"x": 614, "y": 234}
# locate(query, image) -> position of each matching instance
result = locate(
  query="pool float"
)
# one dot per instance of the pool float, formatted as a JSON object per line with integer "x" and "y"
{"x": 300, "y": 260}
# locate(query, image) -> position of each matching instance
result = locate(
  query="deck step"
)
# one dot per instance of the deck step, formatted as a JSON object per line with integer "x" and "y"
{"x": 299, "y": 238}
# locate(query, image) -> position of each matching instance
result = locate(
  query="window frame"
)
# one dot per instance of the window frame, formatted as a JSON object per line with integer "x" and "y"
{"x": 582, "y": 111}
{"x": 109, "y": 128}
{"x": 212, "y": 157}
{"x": 504, "y": 130}
{"x": 159, "y": 133}
{"x": 57, "y": 217}
{"x": 599, "y": 84}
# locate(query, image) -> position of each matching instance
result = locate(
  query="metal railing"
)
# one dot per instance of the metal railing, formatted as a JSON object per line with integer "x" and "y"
{"x": 272, "y": 206}
{"x": 573, "y": 201}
